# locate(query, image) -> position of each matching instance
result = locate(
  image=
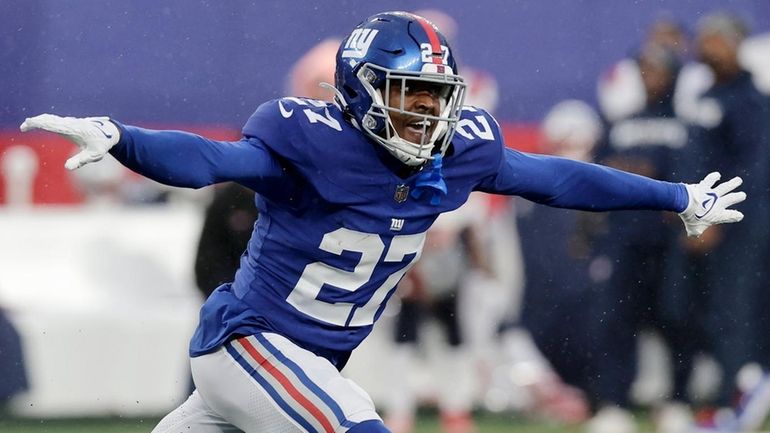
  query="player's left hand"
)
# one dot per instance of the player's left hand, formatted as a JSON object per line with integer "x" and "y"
{"x": 708, "y": 204}
{"x": 95, "y": 136}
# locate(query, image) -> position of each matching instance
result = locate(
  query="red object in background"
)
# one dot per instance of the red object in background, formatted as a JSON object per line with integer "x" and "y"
{"x": 54, "y": 185}
{"x": 522, "y": 136}
{"x": 519, "y": 136}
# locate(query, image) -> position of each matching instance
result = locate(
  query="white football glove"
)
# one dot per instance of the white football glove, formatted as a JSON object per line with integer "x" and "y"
{"x": 95, "y": 136}
{"x": 708, "y": 205}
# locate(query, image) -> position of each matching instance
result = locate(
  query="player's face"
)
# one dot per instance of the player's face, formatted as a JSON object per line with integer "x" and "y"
{"x": 656, "y": 78}
{"x": 418, "y": 97}
{"x": 716, "y": 52}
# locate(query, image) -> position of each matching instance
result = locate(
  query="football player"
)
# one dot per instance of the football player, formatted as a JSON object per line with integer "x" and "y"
{"x": 346, "y": 192}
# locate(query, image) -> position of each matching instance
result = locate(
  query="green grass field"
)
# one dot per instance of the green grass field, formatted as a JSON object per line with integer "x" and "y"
{"x": 427, "y": 423}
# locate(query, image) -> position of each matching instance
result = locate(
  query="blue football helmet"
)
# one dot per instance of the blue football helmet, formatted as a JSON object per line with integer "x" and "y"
{"x": 398, "y": 49}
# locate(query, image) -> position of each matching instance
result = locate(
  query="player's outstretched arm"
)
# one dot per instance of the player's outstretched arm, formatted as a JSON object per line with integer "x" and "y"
{"x": 565, "y": 183}
{"x": 173, "y": 158}
{"x": 708, "y": 204}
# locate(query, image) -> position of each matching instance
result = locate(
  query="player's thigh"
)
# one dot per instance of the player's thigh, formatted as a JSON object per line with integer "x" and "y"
{"x": 194, "y": 416}
{"x": 265, "y": 383}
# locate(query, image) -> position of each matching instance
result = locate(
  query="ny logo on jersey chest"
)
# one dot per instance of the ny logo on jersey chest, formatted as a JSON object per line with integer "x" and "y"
{"x": 396, "y": 224}
{"x": 402, "y": 193}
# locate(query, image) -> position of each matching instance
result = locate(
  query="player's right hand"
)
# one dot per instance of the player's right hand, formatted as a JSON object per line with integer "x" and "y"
{"x": 95, "y": 136}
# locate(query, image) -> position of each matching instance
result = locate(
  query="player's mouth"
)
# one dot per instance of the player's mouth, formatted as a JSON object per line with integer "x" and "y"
{"x": 418, "y": 130}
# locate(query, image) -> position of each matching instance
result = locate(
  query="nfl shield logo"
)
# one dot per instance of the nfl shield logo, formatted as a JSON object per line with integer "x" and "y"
{"x": 402, "y": 193}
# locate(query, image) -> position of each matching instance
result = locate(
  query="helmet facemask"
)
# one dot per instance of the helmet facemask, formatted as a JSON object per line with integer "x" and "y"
{"x": 377, "y": 122}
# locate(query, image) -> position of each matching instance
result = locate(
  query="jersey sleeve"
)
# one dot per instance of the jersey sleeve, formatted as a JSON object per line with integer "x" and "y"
{"x": 565, "y": 183}
{"x": 182, "y": 159}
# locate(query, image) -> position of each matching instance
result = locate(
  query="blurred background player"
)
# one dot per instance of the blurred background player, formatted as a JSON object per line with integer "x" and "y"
{"x": 730, "y": 128}
{"x": 563, "y": 272}
{"x": 13, "y": 379}
{"x": 647, "y": 142}
{"x": 314, "y": 67}
{"x": 18, "y": 167}
{"x": 227, "y": 226}
{"x": 452, "y": 253}
{"x": 620, "y": 90}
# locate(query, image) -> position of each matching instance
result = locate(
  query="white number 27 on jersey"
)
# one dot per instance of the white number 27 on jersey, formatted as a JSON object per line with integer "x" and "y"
{"x": 305, "y": 293}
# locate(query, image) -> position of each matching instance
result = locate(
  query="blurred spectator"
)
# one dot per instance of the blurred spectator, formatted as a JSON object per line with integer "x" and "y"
{"x": 451, "y": 254}
{"x": 621, "y": 90}
{"x": 647, "y": 143}
{"x": 13, "y": 378}
{"x": 227, "y": 227}
{"x": 725, "y": 138}
{"x": 733, "y": 130}
{"x": 562, "y": 270}
{"x": 314, "y": 67}
{"x": 725, "y": 270}
{"x": 754, "y": 55}
{"x": 19, "y": 165}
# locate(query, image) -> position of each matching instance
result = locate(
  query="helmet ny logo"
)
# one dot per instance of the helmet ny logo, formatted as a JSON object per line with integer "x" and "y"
{"x": 359, "y": 42}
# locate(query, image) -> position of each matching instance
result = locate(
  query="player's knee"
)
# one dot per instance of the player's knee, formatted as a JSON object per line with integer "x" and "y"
{"x": 371, "y": 426}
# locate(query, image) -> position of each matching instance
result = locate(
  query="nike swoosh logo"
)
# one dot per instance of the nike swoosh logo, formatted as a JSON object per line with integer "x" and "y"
{"x": 100, "y": 129}
{"x": 284, "y": 112}
{"x": 710, "y": 202}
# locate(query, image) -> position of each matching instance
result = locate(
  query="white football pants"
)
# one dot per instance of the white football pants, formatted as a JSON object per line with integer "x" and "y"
{"x": 266, "y": 384}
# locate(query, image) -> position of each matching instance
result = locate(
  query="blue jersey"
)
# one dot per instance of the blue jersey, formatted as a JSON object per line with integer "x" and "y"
{"x": 338, "y": 227}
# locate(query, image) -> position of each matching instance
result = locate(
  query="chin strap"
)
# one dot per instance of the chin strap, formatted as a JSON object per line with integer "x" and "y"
{"x": 430, "y": 180}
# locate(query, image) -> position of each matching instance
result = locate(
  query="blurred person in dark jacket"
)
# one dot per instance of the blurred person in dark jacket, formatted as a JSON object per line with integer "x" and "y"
{"x": 563, "y": 270}
{"x": 647, "y": 143}
{"x": 726, "y": 271}
{"x": 227, "y": 227}
{"x": 13, "y": 374}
